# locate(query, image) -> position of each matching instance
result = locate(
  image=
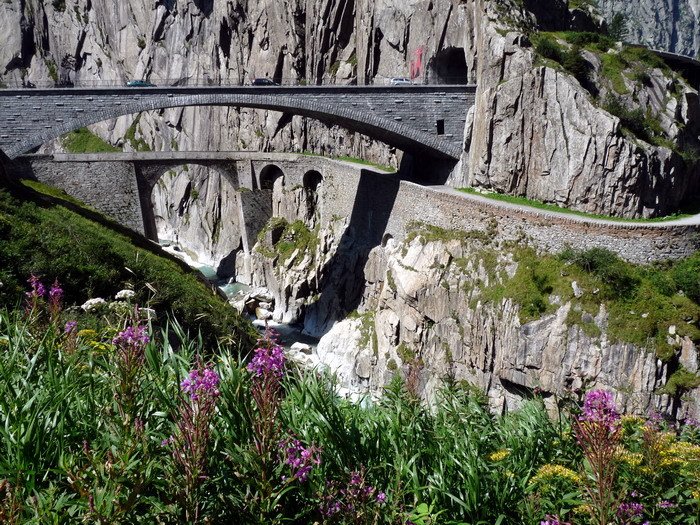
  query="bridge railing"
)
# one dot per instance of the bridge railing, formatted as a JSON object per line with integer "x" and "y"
{"x": 210, "y": 82}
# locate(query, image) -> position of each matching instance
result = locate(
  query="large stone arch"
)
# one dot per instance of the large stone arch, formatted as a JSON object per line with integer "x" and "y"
{"x": 403, "y": 122}
{"x": 271, "y": 182}
{"x": 270, "y": 176}
{"x": 149, "y": 173}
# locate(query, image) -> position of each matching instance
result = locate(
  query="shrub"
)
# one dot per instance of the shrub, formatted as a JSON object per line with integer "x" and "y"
{"x": 585, "y": 38}
{"x": 578, "y": 66}
{"x": 547, "y": 47}
{"x": 634, "y": 120}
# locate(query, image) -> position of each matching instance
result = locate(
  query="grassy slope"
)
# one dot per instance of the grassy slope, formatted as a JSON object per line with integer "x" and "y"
{"x": 91, "y": 260}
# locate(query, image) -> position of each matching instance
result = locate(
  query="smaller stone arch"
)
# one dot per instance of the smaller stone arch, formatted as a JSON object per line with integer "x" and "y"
{"x": 311, "y": 181}
{"x": 386, "y": 239}
{"x": 271, "y": 176}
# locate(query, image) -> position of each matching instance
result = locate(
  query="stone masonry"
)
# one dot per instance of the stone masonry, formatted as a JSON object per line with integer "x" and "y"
{"x": 424, "y": 118}
{"x": 377, "y": 204}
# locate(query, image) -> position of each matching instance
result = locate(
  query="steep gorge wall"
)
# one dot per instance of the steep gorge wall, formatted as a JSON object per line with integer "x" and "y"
{"x": 535, "y": 131}
{"x": 671, "y": 25}
{"x": 421, "y": 307}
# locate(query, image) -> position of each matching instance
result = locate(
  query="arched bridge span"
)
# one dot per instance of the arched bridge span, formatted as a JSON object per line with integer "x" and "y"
{"x": 428, "y": 119}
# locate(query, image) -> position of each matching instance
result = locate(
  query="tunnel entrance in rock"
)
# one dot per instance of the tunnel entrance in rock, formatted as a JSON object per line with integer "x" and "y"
{"x": 448, "y": 66}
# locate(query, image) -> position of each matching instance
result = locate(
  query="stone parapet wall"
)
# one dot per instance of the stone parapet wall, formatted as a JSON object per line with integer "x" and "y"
{"x": 398, "y": 203}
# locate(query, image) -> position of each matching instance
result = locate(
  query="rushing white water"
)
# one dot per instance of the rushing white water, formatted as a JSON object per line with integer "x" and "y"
{"x": 288, "y": 334}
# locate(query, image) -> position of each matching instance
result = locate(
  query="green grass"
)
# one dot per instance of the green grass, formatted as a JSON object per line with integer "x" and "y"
{"x": 95, "y": 261}
{"x": 85, "y": 141}
{"x": 613, "y": 69}
{"x": 532, "y": 203}
{"x": 295, "y": 236}
{"x": 55, "y": 193}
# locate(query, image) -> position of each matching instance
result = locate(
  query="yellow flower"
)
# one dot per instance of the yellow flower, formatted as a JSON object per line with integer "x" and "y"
{"x": 633, "y": 459}
{"x": 550, "y": 472}
{"x": 583, "y": 509}
{"x": 499, "y": 455}
{"x": 634, "y": 421}
{"x": 88, "y": 335}
{"x": 98, "y": 346}
{"x": 4, "y": 341}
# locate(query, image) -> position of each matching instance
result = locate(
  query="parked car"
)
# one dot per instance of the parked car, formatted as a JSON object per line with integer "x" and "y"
{"x": 139, "y": 83}
{"x": 400, "y": 81}
{"x": 264, "y": 82}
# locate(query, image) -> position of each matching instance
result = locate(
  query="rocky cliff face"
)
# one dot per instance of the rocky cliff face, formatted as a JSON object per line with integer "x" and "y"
{"x": 535, "y": 131}
{"x": 671, "y": 25}
{"x": 431, "y": 308}
{"x": 540, "y": 132}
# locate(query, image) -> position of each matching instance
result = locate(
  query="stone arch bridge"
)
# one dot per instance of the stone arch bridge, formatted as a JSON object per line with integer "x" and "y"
{"x": 120, "y": 185}
{"x": 428, "y": 119}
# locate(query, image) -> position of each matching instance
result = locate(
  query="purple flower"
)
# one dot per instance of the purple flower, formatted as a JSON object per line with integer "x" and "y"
{"x": 204, "y": 383}
{"x": 599, "y": 407}
{"x": 356, "y": 478}
{"x": 629, "y": 511}
{"x": 691, "y": 423}
{"x": 268, "y": 360}
{"x": 132, "y": 336}
{"x": 38, "y": 289}
{"x": 301, "y": 459}
{"x": 70, "y": 327}
{"x": 56, "y": 292}
{"x": 665, "y": 504}
{"x": 381, "y": 497}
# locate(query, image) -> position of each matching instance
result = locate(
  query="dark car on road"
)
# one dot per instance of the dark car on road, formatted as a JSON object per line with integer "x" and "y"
{"x": 139, "y": 83}
{"x": 264, "y": 82}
